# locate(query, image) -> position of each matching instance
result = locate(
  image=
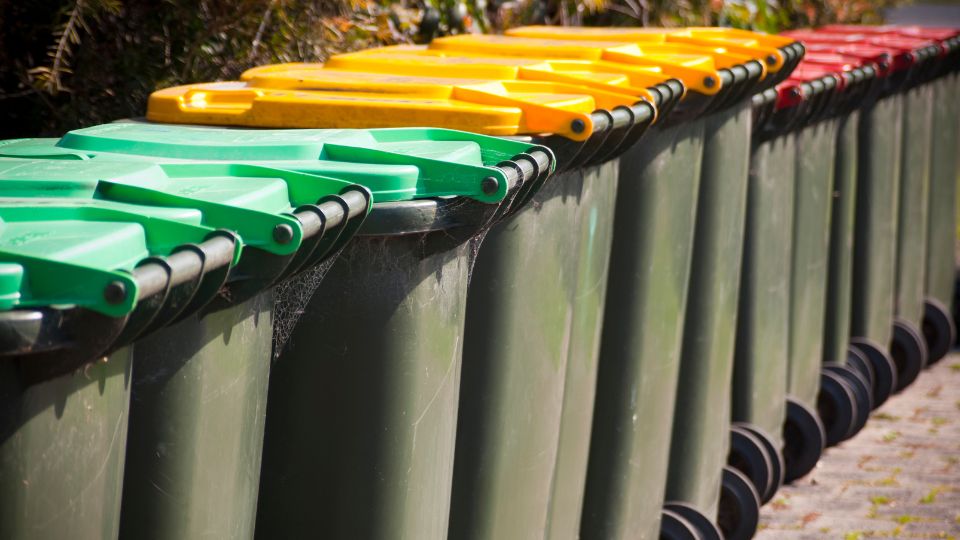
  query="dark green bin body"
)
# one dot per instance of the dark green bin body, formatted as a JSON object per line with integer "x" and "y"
{"x": 529, "y": 361}
{"x": 62, "y": 448}
{"x": 944, "y": 174}
{"x": 914, "y": 186}
{"x": 836, "y": 330}
{"x": 642, "y": 331}
{"x": 875, "y": 236}
{"x": 813, "y": 197}
{"x": 580, "y": 385}
{"x": 761, "y": 354}
{"x": 701, "y": 422}
{"x": 197, "y": 412}
{"x": 363, "y": 399}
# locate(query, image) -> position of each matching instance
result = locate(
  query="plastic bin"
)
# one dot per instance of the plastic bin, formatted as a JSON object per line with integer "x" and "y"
{"x": 862, "y": 78}
{"x": 400, "y": 164}
{"x": 861, "y": 81}
{"x": 618, "y": 500}
{"x": 907, "y": 344}
{"x": 759, "y": 389}
{"x": 938, "y": 326}
{"x": 577, "y": 201}
{"x": 186, "y": 353}
{"x": 506, "y": 266}
{"x": 875, "y": 236}
{"x": 65, "y": 395}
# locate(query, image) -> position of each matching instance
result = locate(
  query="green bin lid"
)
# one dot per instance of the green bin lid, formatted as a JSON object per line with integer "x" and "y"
{"x": 70, "y": 252}
{"x": 252, "y": 200}
{"x": 275, "y": 211}
{"x": 395, "y": 164}
{"x": 275, "y": 191}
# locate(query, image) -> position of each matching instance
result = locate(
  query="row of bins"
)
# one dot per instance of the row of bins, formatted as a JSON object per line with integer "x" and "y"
{"x": 625, "y": 284}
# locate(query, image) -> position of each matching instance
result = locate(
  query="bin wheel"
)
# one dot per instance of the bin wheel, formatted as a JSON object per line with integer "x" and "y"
{"x": 673, "y": 526}
{"x": 837, "y": 407}
{"x": 938, "y": 330}
{"x": 776, "y": 459}
{"x": 706, "y": 529}
{"x": 909, "y": 352}
{"x": 861, "y": 393}
{"x": 884, "y": 370}
{"x": 739, "y": 511}
{"x": 857, "y": 360}
{"x": 749, "y": 456}
{"x": 803, "y": 440}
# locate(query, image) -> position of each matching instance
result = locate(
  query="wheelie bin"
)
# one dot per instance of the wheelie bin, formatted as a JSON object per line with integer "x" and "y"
{"x": 65, "y": 390}
{"x": 195, "y": 218}
{"x": 565, "y": 481}
{"x": 759, "y": 384}
{"x": 820, "y": 380}
{"x": 640, "y": 312}
{"x": 938, "y": 326}
{"x": 875, "y": 236}
{"x": 499, "y": 327}
{"x": 908, "y": 346}
{"x": 749, "y": 440}
{"x": 505, "y": 258}
{"x": 859, "y": 82}
{"x": 396, "y": 164}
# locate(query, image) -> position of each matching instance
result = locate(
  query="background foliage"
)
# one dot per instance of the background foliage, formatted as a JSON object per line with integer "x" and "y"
{"x": 71, "y": 63}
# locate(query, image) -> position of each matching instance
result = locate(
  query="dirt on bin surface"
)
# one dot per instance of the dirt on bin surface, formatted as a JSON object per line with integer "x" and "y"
{"x": 898, "y": 478}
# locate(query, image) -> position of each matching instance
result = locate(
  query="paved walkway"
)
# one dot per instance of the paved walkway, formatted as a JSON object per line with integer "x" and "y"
{"x": 898, "y": 478}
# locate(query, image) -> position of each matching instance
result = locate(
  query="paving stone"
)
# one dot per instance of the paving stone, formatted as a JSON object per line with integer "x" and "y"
{"x": 898, "y": 478}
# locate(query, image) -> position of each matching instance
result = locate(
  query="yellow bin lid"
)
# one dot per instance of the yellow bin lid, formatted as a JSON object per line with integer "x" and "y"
{"x": 332, "y": 99}
{"x": 695, "y": 66}
{"x": 746, "y": 44}
{"x": 590, "y": 77}
{"x": 499, "y": 92}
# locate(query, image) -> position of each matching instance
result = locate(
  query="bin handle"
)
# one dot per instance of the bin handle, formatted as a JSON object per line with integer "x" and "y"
{"x": 184, "y": 265}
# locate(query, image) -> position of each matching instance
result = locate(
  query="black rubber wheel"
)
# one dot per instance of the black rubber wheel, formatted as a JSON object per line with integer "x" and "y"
{"x": 749, "y": 456}
{"x": 776, "y": 460}
{"x": 673, "y": 526}
{"x": 938, "y": 330}
{"x": 857, "y": 360}
{"x": 861, "y": 392}
{"x": 739, "y": 511}
{"x": 804, "y": 440}
{"x": 909, "y": 352}
{"x": 884, "y": 370}
{"x": 837, "y": 407}
{"x": 706, "y": 529}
